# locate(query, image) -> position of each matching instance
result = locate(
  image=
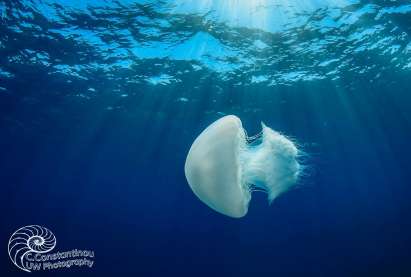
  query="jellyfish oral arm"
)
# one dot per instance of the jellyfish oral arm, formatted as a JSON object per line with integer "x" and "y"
{"x": 271, "y": 166}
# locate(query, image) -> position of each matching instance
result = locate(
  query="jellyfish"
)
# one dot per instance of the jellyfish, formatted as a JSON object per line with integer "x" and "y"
{"x": 223, "y": 167}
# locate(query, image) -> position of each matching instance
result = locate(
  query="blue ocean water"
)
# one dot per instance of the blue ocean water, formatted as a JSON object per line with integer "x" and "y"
{"x": 100, "y": 102}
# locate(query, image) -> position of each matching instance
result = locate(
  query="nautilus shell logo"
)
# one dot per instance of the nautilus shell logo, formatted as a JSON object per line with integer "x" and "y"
{"x": 30, "y": 239}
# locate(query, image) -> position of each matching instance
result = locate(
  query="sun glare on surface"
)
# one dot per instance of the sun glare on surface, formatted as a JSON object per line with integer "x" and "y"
{"x": 267, "y": 15}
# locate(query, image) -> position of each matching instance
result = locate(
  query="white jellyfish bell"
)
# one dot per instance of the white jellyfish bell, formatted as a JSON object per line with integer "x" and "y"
{"x": 223, "y": 169}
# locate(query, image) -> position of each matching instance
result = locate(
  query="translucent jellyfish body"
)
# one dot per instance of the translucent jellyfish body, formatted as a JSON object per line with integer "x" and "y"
{"x": 223, "y": 169}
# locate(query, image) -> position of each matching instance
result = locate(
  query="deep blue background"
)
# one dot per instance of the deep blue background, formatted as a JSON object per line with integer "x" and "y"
{"x": 112, "y": 180}
{"x": 115, "y": 184}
